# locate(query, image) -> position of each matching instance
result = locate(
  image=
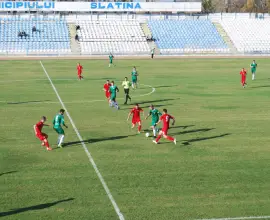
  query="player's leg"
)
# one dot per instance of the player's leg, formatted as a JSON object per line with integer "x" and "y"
{"x": 158, "y": 137}
{"x": 62, "y": 136}
{"x": 253, "y": 74}
{"x": 133, "y": 125}
{"x": 154, "y": 130}
{"x": 126, "y": 96}
{"x": 139, "y": 127}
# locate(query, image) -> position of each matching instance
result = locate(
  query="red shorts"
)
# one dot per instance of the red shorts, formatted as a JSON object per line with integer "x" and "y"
{"x": 136, "y": 120}
{"x": 243, "y": 79}
{"x": 108, "y": 95}
{"x": 79, "y": 73}
{"x": 41, "y": 136}
{"x": 165, "y": 131}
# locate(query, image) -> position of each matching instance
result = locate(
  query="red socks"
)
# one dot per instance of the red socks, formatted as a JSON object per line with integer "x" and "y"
{"x": 158, "y": 138}
{"x": 139, "y": 128}
{"x": 170, "y": 138}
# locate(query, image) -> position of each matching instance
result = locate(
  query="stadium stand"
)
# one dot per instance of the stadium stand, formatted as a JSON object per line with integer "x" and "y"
{"x": 183, "y": 36}
{"x": 118, "y": 37}
{"x": 50, "y": 37}
{"x": 249, "y": 35}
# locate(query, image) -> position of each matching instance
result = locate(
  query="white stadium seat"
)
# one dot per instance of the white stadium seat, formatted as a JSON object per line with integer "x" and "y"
{"x": 118, "y": 37}
{"x": 249, "y": 35}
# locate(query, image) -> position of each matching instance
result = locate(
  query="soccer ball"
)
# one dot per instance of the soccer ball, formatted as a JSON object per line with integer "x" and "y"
{"x": 147, "y": 134}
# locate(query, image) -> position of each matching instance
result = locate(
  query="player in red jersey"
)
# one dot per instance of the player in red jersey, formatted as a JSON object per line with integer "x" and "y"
{"x": 136, "y": 117}
{"x": 243, "y": 74}
{"x": 79, "y": 69}
{"x": 42, "y": 136}
{"x": 106, "y": 89}
{"x": 165, "y": 118}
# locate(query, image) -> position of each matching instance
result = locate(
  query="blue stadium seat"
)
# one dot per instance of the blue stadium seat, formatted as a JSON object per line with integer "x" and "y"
{"x": 200, "y": 35}
{"x": 53, "y": 35}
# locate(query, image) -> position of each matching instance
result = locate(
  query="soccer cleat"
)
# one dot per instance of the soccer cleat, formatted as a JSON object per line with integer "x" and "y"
{"x": 48, "y": 148}
{"x": 139, "y": 132}
{"x": 60, "y": 145}
{"x": 174, "y": 141}
{"x": 154, "y": 141}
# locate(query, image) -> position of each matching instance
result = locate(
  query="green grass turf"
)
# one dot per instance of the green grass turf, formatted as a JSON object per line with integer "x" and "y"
{"x": 219, "y": 168}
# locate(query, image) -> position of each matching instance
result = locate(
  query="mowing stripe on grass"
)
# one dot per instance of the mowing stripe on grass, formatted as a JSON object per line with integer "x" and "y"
{"x": 116, "y": 208}
{"x": 238, "y": 218}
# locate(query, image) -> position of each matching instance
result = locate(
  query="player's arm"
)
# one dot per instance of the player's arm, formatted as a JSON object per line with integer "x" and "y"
{"x": 148, "y": 115}
{"x": 173, "y": 120}
{"x": 63, "y": 123}
{"x": 158, "y": 122}
{"x": 35, "y": 129}
{"x": 117, "y": 89}
{"x": 129, "y": 115}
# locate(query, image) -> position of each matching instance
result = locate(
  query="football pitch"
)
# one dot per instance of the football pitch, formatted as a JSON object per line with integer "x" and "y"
{"x": 218, "y": 169}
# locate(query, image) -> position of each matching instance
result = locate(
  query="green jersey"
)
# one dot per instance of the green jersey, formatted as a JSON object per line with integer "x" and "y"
{"x": 155, "y": 115}
{"x": 113, "y": 89}
{"x": 153, "y": 51}
{"x": 58, "y": 121}
{"x": 134, "y": 74}
{"x": 111, "y": 57}
{"x": 253, "y": 67}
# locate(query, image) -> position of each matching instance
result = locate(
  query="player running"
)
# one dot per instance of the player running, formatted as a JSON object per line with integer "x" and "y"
{"x": 136, "y": 119}
{"x": 134, "y": 77}
{"x": 42, "y": 136}
{"x": 243, "y": 74}
{"x": 113, "y": 90}
{"x": 79, "y": 71}
{"x": 165, "y": 118}
{"x": 106, "y": 88}
{"x": 155, "y": 118}
{"x": 58, "y": 121}
{"x": 126, "y": 85}
{"x": 253, "y": 67}
{"x": 111, "y": 57}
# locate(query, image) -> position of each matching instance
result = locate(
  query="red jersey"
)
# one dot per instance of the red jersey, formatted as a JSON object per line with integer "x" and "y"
{"x": 136, "y": 112}
{"x": 39, "y": 126}
{"x": 79, "y": 68}
{"x": 243, "y": 72}
{"x": 166, "y": 120}
{"x": 107, "y": 87}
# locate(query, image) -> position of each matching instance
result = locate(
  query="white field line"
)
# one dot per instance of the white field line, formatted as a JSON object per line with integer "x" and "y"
{"x": 238, "y": 218}
{"x": 78, "y": 101}
{"x": 116, "y": 208}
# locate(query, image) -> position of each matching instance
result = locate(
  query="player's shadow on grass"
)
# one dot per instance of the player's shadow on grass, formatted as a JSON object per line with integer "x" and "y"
{"x": 142, "y": 106}
{"x": 27, "y": 102}
{"x": 193, "y": 131}
{"x": 94, "y": 140}
{"x": 154, "y": 101}
{"x": 182, "y": 126}
{"x": 256, "y": 87}
{"x": 188, "y": 142}
{"x": 32, "y": 208}
{"x": 9, "y": 172}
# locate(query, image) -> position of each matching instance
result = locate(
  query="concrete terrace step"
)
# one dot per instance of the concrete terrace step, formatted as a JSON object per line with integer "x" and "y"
{"x": 147, "y": 32}
{"x": 225, "y": 37}
{"x": 75, "y": 46}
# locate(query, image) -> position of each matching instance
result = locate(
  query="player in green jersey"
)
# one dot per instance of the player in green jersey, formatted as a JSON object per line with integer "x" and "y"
{"x": 155, "y": 118}
{"x": 126, "y": 84}
{"x": 58, "y": 121}
{"x": 111, "y": 57}
{"x": 134, "y": 77}
{"x": 113, "y": 90}
{"x": 253, "y": 67}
